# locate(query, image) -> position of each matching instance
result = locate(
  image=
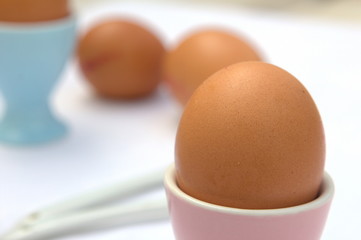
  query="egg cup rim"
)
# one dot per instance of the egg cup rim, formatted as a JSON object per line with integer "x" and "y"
{"x": 48, "y": 25}
{"x": 326, "y": 194}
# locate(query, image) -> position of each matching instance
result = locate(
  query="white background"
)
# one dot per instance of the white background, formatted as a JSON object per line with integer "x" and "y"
{"x": 112, "y": 141}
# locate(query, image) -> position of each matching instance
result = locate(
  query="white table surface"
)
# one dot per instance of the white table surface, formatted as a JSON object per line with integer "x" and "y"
{"x": 112, "y": 141}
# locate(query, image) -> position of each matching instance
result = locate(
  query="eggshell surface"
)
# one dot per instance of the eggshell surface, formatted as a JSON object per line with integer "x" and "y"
{"x": 33, "y": 10}
{"x": 201, "y": 54}
{"x": 251, "y": 137}
{"x": 121, "y": 59}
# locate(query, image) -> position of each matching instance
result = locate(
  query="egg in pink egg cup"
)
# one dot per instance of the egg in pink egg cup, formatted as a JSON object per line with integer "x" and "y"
{"x": 249, "y": 159}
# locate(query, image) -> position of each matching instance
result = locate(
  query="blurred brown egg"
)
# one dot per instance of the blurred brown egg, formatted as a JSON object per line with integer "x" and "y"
{"x": 251, "y": 137}
{"x": 201, "y": 54}
{"x": 121, "y": 59}
{"x": 33, "y": 10}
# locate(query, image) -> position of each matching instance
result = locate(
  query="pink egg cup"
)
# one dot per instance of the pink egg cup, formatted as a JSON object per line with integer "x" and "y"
{"x": 193, "y": 219}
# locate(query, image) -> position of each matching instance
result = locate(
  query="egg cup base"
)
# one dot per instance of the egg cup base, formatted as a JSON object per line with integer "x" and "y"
{"x": 31, "y": 133}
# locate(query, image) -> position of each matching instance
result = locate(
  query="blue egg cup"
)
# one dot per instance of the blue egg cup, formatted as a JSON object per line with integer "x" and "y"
{"x": 32, "y": 56}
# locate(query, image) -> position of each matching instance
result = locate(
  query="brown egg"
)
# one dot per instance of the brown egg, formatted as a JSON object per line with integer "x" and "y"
{"x": 201, "y": 54}
{"x": 33, "y": 10}
{"x": 121, "y": 59}
{"x": 251, "y": 137}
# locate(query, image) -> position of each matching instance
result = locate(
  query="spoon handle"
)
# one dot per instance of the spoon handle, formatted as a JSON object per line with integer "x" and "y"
{"x": 118, "y": 191}
{"x": 96, "y": 219}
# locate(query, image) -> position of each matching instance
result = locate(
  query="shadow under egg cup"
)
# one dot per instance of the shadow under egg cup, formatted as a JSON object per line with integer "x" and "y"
{"x": 193, "y": 219}
{"x": 32, "y": 56}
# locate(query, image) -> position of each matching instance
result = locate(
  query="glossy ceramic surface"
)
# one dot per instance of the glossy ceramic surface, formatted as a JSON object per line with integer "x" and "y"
{"x": 193, "y": 219}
